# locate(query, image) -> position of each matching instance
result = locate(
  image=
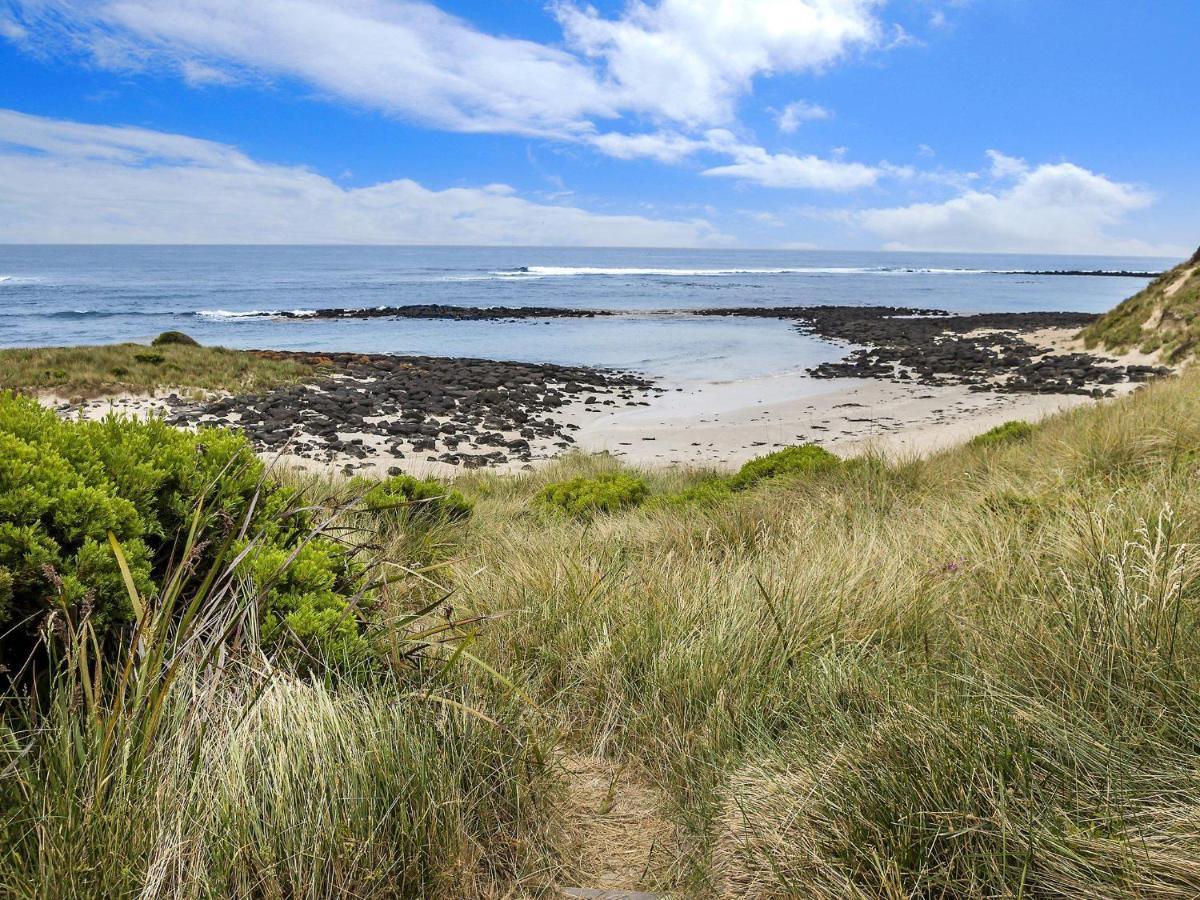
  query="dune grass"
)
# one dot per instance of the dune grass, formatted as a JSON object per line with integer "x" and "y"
{"x": 976, "y": 675}
{"x": 106, "y": 369}
{"x": 1162, "y": 318}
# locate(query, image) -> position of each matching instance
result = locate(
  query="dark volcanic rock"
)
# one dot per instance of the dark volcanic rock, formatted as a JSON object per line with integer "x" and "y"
{"x": 427, "y": 403}
{"x": 987, "y": 351}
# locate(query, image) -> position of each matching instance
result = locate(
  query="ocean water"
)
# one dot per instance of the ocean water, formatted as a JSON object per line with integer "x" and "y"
{"x": 55, "y": 295}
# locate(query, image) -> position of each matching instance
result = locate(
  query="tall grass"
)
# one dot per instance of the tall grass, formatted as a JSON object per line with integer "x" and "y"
{"x": 971, "y": 676}
{"x": 976, "y": 675}
{"x": 191, "y": 764}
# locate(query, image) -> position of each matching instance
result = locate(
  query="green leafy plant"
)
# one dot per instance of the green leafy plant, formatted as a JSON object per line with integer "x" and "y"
{"x": 65, "y": 486}
{"x": 709, "y": 492}
{"x": 801, "y": 460}
{"x": 403, "y": 499}
{"x": 1008, "y": 433}
{"x": 583, "y": 497}
{"x": 175, "y": 337}
{"x": 150, "y": 359}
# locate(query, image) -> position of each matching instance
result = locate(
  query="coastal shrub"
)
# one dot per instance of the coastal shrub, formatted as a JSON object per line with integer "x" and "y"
{"x": 801, "y": 460}
{"x": 150, "y": 359}
{"x": 709, "y": 492}
{"x": 582, "y": 497}
{"x": 1008, "y": 433}
{"x": 65, "y": 486}
{"x": 175, "y": 337}
{"x": 403, "y": 499}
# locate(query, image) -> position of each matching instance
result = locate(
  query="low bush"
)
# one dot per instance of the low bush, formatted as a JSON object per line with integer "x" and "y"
{"x": 1008, "y": 433}
{"x": 175, "y": 337}
{"x": 65, "y": 486}
{"x": 709, "y": 492}
{"x": 583, "y": 497}
{"x": 150, "y": 359}
{"x": 404, "y": 499}
{"x": 801, "y": 460}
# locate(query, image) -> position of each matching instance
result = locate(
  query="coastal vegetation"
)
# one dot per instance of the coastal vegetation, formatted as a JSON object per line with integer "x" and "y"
{"x": 169, "y": 363}
{"x": 1163, "y": 318}
{"x": 971, "y": 675}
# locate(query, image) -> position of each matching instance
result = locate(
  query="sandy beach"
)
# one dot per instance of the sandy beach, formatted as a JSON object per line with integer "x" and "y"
{"x": 380, "y": 415}
{"x": 720, "y": 425}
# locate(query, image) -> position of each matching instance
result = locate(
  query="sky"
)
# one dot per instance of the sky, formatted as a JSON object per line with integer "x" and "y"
{"x": 1049, "y": 126}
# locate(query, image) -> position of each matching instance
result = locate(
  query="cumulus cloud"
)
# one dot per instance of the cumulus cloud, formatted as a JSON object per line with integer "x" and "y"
{"x": 792, "y": 115}
{"x": 785, "y": 170}
{"x": 68, "y": 182}
{"x": 713, "y": 47}
{"x": 668, "y": 147}
{"x": 402, "y": 57}
{"x": 1049, "y": 208}
{"x": 687, "y": 61}
{"x": 680, "y": 64}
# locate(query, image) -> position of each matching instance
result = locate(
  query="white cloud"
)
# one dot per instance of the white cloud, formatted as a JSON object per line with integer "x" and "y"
{"x": 1004, "y": 166}
{"x": 198, "y": 74}
{"x": 794, "y": 114}
{"x": 668, "y": 147}
{"x": 399, "y": 56}
{"x": 681, "y": 64}
{"x": 12, "y": 30}
{"x": 682, "y": 60}
{"x": 67, "y": 182}
{"x": 784, "y": 170}
{"x": 688, "y": 60}
{"x": 1051, "y": 208}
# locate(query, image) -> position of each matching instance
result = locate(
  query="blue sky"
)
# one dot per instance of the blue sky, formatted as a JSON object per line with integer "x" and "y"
{"x": 975, "y": 125}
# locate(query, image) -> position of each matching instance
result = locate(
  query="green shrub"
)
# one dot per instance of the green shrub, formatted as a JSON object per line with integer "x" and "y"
{"x": 150, "y": 359}
{"x": 66, "y": 485}
{"x": 1008, "y": 433}
{"x": 710, "y": 492}
{"x": 175, "y": 337}
{"x": 582, "y": 497}
{"x": 801, "y": 460}
{"x": 404, "y": 499}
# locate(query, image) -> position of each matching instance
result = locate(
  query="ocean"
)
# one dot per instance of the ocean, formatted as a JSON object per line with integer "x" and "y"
{"x": 58, "y": 295}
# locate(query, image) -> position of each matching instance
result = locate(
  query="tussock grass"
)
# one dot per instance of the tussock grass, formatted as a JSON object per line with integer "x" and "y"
{"x": 970, "y": 676}
{"x": 96, "y": 371}
{"x": 181, "y": 760}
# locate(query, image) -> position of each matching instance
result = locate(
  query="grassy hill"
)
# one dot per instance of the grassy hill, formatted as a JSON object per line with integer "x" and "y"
{"x": 1162, "y": 318}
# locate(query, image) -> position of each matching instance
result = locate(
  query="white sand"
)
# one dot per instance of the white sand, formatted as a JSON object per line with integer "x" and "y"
{"x": 724, "y": 424}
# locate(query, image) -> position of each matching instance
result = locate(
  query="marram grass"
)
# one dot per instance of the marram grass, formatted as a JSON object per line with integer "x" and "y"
{"x": 972, "y": 676}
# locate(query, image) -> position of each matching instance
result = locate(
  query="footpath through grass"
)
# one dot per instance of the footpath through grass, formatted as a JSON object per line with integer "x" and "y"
{"x": 973, "y": 676}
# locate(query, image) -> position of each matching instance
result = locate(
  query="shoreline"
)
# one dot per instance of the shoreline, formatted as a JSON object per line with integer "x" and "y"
{"x": 910, "y": 381}
{"x": 435, "y": 416}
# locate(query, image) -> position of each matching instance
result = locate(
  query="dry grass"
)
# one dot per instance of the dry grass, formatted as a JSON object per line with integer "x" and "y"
{"x": 87, "y": 372}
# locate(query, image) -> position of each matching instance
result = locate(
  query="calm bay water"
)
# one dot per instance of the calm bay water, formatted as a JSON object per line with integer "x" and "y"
{"x": 69, "y": 295}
